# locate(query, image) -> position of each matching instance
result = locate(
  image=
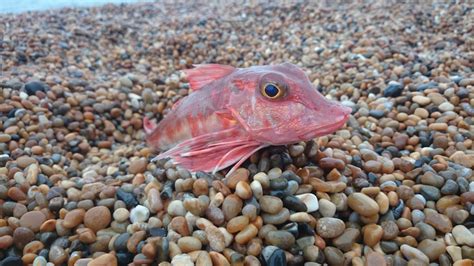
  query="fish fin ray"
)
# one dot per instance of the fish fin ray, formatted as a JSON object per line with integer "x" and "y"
{"x": 203, "y": 74}
{"x": 213, "y": 151}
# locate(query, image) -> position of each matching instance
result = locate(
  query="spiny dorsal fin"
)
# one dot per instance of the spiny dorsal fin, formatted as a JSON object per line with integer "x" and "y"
{"x": 201, "y": 75}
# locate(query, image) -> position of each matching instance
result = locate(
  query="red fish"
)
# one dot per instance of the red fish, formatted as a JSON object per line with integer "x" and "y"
{"x": 234, "y": 112}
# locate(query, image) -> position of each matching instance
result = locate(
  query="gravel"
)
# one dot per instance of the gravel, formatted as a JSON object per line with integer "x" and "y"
{"x": 395, "y": 185}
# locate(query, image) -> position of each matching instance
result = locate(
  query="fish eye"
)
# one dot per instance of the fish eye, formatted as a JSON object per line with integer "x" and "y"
{"x": 272, "y": 91}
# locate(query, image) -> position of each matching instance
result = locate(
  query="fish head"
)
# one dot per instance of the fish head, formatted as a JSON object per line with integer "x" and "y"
{"x": 278, "y": 105}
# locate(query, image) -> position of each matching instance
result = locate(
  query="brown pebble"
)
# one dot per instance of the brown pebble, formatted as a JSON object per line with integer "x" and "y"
{"x": 137, "y": 166}
{"x": 362, "y": 204}
{"x": 74, "y": 218}
{"x": 33, "y": 220}
{"x": 231, "y": 206}
{"x": 104, "y": 260}
{"x": 97, "y": 218}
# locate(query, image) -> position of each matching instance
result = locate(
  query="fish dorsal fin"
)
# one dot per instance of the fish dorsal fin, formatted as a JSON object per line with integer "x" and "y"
{"x": 201, "y": 75}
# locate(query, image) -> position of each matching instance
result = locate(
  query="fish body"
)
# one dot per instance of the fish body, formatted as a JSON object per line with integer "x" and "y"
{"x": 234, "y": 112}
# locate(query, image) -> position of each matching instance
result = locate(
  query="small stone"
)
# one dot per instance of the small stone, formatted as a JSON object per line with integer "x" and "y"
{"x": 74, "y": 218}
{"x": 390, "y": 230}
{"x": 294, "y": 203}
{"x": 97, "y": 218}
{"x": 5, "y": 242}
{"x": 331, "y": 163}
{"x": 394, "y": 89}
{"x": 310, "y": 200}
{"x": 216, "y": 238}
{"x": 106, "y": 259}
{"x": 176, "y": 208}
{"x": 189, "y": 243}
{"x": 334, "y": 256}
{"x": 463, "y": 236}
{"x": 345, "y": 240}
{"x": 432, "y": 249}
{"x": 279, "y": 238}
{"x": 413, "y": 253}
{"x": 246, "y": 234}
{"x": 231, "y": 206}
{"x": 137, "y": 166}
{"x": 22, "y": 236}
{"x": 270, "y": 204}
{"x": 273, "y": 256}
{"x": 439, "y": 221}
{"x": 40, "y": 261}
{"x": 237, "y": 224}
{"x": 121, "y": 215}
{"x": 329, "y": 227}
{"x": 33, "y": 220}
{"x": 446, "y": 106}
{"x": 327, "y": 208}
{"x": 277, "y": 218}
{"x": 57, "y": 255}
{"x": 34, "y": 86}
{"x": 139, "y": 214}
{"x": 25, "y": 161}
{"x": 375, "y": 258}
{"x": 243, "y": 190}
{"x": 372, "y": 234}
{"x": 4, "y": 138}
{"x": 421, "y": 100}
{"x": 426, "y": 231}
{"x": 389, "y": 247}
{"x": 363, "y": 204}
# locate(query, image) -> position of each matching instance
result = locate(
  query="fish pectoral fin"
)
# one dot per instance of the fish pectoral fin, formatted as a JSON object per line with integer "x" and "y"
{"x": 213, "y": 152}
{"x": 242, "y": 152}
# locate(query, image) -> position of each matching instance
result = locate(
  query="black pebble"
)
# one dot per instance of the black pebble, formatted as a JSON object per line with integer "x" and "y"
{"x": 393, "y": 90}
{"x": 34, "y": 86}
{"x": 127, "y": 197}
{"x": 11, "y": 261}
{"x": 158, "y": 231}
{"x": 124, "y": 258}
{"x": 278, "y": 258}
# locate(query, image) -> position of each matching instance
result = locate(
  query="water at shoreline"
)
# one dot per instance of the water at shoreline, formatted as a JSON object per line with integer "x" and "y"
{"x": 19, "y": 6}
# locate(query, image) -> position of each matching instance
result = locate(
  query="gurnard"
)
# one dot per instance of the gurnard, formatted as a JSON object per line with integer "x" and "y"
{"x": 234, "y": 112}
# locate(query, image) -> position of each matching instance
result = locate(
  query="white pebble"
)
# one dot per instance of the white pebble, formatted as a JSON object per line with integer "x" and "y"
{"x": 310, "y": 200}
{"x": 139, "y": 214}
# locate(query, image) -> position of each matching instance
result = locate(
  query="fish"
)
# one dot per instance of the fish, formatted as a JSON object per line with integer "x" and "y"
{"x": 232, "y": 113}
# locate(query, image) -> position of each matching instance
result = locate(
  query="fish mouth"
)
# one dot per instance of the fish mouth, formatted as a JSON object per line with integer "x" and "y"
{"x": 318, "y": 131}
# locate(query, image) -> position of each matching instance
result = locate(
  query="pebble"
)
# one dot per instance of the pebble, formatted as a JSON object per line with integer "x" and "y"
{"x": 392, "y": 186}
{"x": 32, "y": 220}
{"x": 105, "y": 259}
{"x": 271, "y": 204}
{"x": 329, "y": 227}
{"x": 372, "y": 234}
{"x": 432, "y": 249}
{"x": 413, "y": 253}
{"x": 327, "y": 208}
{"x": 310, "y": 200}
{"x": 363, "y": 204}
{"x": 97, "y": 218}
{"x": 346, "y": 239}
{"x": 74, "y": 218}
{"x": 139, "y": 214}
{"x": 334, "y": 256}
{"x": 279, "y": 238}
{"x": 463, "y": 235}
{"x": 189, "y": 243}
{"x": 439, "y": 221}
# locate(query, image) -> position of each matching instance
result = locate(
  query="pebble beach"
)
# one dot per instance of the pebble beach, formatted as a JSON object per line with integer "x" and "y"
{"x": 394, "y": 186}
